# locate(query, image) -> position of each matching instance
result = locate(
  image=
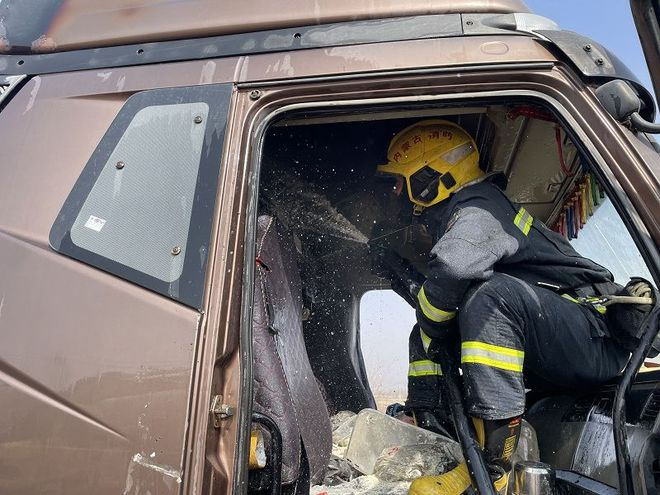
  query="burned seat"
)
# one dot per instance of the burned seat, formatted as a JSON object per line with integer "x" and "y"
{"x": 285, "y": 388}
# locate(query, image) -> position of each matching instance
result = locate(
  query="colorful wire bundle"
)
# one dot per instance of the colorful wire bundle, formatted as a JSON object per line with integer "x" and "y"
{"x": 580, "y": 205}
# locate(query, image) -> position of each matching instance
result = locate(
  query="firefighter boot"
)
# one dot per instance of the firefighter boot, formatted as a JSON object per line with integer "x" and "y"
{"x": 500, "y": 438}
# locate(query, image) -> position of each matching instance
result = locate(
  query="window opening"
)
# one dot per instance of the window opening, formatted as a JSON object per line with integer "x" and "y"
{"x": 142, "y": 207}
{"x": 145, "y": 192}
{"x": 385, "y": 324}
{"x": 321, "y": 193}
{"x": 606, "y": 240}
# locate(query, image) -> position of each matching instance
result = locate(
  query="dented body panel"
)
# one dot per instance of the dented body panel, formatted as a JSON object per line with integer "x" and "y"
{"x": 97, "y": 371}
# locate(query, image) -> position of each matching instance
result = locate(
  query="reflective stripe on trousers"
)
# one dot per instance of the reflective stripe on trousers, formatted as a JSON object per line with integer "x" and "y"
{"x": 424, "y": 367}
{"x": 495, "y": 356}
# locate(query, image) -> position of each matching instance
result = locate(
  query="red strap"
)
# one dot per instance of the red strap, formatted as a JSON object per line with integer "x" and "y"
{"x": 530, "y": 112}
{"x": 261, "y": 263}
{"x": 560, "y": 151}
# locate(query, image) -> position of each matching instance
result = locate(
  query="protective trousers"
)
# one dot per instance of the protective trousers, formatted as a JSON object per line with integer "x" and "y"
{"x": 508, "y": 327}
{"x": 423, "y": 373}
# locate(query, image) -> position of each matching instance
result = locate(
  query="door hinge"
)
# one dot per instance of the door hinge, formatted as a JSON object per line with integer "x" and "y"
{"x": 220, "y": 410}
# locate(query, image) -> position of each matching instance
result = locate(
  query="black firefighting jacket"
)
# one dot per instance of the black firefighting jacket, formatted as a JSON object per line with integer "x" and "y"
{"x": 478, "y": 231}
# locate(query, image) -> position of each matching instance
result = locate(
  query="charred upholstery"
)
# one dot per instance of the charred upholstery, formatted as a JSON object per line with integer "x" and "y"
{"x": 284, "y": 386}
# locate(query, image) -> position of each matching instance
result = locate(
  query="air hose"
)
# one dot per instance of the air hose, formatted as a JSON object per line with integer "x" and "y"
{"x": 404, "y": 277}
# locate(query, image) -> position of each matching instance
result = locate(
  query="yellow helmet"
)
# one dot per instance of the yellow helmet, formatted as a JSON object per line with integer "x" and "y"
{"x": 435, "y": 157}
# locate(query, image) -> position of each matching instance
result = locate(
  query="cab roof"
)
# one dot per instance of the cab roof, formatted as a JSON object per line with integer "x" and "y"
{"x": 42, "y": 26}
{"x": 45, "y": 36}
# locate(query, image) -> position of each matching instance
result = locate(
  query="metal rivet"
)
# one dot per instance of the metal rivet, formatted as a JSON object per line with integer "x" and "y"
{"x": 587, "y": 48}
{"x": 120, "y": 165}
{"x": 469, "y": 23}
{"x": 176, "y": 251}
{"x": 600, "y": 61}
{"x": 255, "y": 95}
{"x": 198, "y": 119}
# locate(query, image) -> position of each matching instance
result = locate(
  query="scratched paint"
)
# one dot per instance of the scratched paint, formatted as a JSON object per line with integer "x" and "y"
{"x": 104, "y": 75}
{"x": 33, "y": 94}
{"x": 145, "y": 476}
{"x": 208, "y": 71}
{"x": 121, "y": 83}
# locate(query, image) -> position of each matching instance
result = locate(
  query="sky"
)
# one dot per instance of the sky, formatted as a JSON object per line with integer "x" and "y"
{"x": 385, "y": 320}
{"x": 612, "y": 27}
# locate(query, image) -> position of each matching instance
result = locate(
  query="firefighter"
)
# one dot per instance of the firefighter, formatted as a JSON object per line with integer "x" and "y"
{"x": 512, "y": 296}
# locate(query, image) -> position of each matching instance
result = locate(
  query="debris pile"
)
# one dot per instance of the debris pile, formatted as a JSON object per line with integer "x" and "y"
{"x": 376, "y": 454}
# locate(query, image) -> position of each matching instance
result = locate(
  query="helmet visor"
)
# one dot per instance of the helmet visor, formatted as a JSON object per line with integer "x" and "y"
{"x": 457, "y": 154}
{"x": 424, "y": 184}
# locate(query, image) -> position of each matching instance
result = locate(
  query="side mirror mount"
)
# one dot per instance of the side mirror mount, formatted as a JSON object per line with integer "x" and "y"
{"x": 619, "y": 99}
{"x": 622, "y": 102}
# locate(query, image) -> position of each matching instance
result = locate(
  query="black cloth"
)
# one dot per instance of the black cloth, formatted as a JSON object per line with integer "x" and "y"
{"x": 476, "y": 234}
{"x": 560, "y": 340}
{"x": 489, "y": 257}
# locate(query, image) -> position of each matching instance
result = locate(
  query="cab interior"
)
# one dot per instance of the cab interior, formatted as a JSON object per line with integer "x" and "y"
{"x": 321, "y": 204}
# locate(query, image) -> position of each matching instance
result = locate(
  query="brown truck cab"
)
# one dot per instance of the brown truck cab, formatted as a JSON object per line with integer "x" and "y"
{"x": 150, "y": 152}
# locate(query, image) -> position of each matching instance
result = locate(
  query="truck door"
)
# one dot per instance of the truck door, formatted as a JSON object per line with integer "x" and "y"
{"x": 106, "y": 236}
